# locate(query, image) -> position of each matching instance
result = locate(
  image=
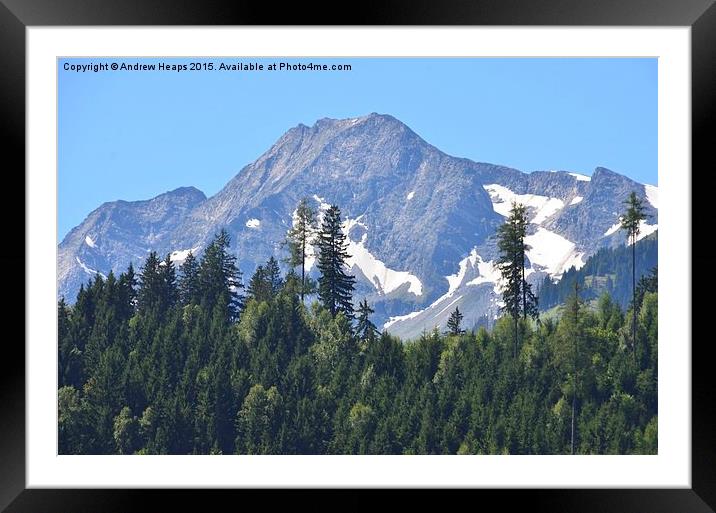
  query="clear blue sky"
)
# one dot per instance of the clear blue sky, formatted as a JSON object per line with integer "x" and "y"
{"x": 132, "y": 135}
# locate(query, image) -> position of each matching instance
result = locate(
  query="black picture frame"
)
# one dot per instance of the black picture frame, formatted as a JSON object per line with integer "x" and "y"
{"x": 17, "y": 15}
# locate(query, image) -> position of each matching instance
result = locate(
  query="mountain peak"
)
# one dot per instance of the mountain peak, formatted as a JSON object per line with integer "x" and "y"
{"x": 188, "y": 191}
{"x": 603, "y": 171}
{"x": 340, "y": 123}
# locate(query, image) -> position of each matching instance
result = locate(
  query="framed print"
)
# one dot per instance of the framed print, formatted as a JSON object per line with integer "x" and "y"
{"x": 425, "y": 252}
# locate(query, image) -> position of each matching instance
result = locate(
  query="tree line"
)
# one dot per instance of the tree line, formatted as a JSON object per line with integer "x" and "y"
{"x": 188, "y": 360}
{"x": 607, "y": 270}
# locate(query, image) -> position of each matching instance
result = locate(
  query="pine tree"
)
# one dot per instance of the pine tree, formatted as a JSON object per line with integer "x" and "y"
{"x": 128, "y": 292}
{"x": 219, "y": 277}
{"x": 366, "y": 330}
{"x": 266, "y": 282}
{"x": 335, "y": 286}
{"x": 256, "y": 289}
{"x": 189, "y": 280}
{"x": 150, "y": 296}
{"x": 299, "y": 240}
{"x": 631, "y": 223}
{"x": 517, "y": 293}
{"x": 168, "y": 280}
{"x": 273, "y": 276}
{"x": 453, "y": 323}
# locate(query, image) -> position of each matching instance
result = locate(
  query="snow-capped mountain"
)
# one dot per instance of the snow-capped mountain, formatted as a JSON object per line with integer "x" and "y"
{"x": 421, "y": 223}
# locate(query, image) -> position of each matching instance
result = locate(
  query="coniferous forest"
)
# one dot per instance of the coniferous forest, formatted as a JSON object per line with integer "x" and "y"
{"x": 198, "y": 359}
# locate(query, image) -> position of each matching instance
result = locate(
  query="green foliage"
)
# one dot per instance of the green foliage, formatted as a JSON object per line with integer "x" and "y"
{"x": 299, "y": 240}
{"x": 454, "y": 321}
{"x": 517, "y": 293}
{"x": 335, "y": 286}
{"x": 366, "y": 330}
{"x": 608, "y": 271}
{"x": 171, "y": 365}
{"x": 266, "y": 281}
{"x": 632, "y": 218}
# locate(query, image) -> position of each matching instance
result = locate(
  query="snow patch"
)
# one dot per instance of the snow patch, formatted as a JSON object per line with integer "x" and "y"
{"x": 489, "y": 273}
{"x": 613, "y": 229}
{"x": 503, "y": 198}
{"x": 552, "y": 252}
{"x": 652, "y": 195}
{"x": 398, "y": 318}
{"x": 454, "y": 280}
{"x": 253, "y": 223}
{"x": 89, "y": 241}
{"x": 180, "y": 255}
{"x": 575, "y": 200}
{"x": 410, "y": 195}
{"x": 645, "y": 229}
{"x": 385, "y": 280}
{"x": 87, "y": 269}
{"x": 581, "y": 178}
{"x": 322, "y": 205}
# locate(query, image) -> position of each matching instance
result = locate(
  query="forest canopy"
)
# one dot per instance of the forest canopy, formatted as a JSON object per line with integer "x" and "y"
{"x": 188, "y": 360}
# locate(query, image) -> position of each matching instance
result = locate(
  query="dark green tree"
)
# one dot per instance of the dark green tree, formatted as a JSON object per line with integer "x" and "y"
{"x": 168, "y": 280}
{"x": 266, "y": 282}
{"x": 365, "y": 330}
{"x": 631, "y": 223}
{"x": 258, "y": 287}
{"x": 219, "y": 277}
{"x": 517, "y": 293}
{"x": 127, "y": 292}
{"x": 189, "y": 280}
{"x": 570, "y": 349}
{"x": 454, "y": 321}
{"x": 151, "y": 292}
{"x": 299, "y": 240}
{"x": 335, "y": 285}
{"x": 273, "y": 276}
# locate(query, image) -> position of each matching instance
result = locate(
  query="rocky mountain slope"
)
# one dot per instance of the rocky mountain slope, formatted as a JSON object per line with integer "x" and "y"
{"x": 421, "y": 222}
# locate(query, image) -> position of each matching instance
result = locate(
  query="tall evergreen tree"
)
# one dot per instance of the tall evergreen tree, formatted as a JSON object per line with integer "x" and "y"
{"x": 128, "y": 292}
{"x": 257, "y": 288}
{"x": 299, "y": 240}
{"x": 453, "y": 323}
{"x": 219, "y": 277}
{"x": 266, "y": 282}
{"x": 189, "y": 280}
{"x": 631, "y": 223}
{"x": 517, "y": 293}
{"x": 335, "y": 286}
{"x": 366, "y": 330}
{"x": 168, "y": 277}
{"x": 151, "y": 293}
{"x": 273, "y": 276}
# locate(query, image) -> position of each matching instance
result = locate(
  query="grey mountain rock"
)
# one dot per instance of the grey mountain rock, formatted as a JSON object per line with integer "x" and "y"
{"x": 120, "y": 232}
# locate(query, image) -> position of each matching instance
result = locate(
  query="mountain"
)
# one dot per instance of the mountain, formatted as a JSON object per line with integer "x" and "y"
{"x": 118, "y": 233}
{"x": 421, "y": 223}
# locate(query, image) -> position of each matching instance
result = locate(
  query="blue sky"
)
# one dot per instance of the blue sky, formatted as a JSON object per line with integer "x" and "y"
{"x": 132, "y": 135}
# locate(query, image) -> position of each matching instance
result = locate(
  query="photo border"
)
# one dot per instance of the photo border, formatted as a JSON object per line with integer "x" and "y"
{"x": 699, "y": 15}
